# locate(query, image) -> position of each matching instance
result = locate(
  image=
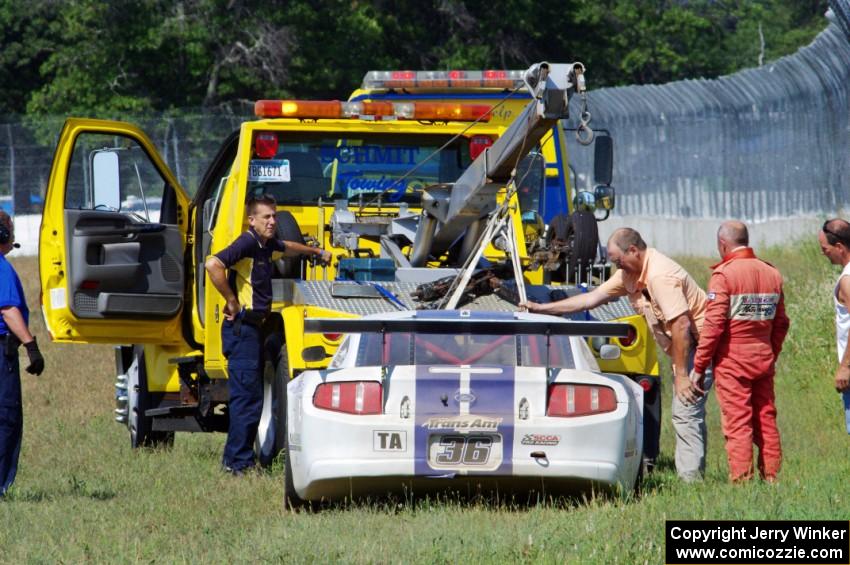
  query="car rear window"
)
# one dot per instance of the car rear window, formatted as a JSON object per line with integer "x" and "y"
{"x": 464, "y": 349}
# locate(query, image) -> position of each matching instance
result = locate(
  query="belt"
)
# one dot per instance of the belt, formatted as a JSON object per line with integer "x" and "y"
{"x": 9, "y": 344}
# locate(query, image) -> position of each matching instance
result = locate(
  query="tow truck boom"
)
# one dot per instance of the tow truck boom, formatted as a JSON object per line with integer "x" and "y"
{"x": 449, "y": 211}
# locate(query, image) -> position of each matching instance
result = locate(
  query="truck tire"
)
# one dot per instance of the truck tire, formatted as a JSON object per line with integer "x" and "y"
{"x": 272, "y": 429}
{"x": 287, "y": 229}
{"x": 139, "y": 400}
{"x": 584, "y": 230}
{"x": 580, "y": 232}
{"x": 651, "y": 420}
{"x": 638, "y": 488}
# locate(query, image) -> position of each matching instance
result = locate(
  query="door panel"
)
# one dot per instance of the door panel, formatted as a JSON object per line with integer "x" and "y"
{"x": 118, "y": 266}
{"x": 111, "y": 263}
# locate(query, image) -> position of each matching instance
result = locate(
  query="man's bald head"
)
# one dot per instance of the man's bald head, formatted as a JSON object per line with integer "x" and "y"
{"x": 734, "y": 233}
{"x": 625, "y": 238}
{"x": 836, "y": 231}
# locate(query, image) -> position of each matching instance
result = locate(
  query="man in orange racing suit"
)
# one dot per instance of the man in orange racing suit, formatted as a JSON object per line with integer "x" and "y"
{"x": 745, "y": 325}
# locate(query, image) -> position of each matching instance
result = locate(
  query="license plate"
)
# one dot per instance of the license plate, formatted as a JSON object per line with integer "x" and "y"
{"x": 269, "y": 170}
{"x": 461, "y": 452}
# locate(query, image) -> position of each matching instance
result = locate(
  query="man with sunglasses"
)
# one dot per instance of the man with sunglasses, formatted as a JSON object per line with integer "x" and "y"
{"x": 834, "y": 239}
{"x": 745, "y": 325}
{"x": 674, "y": 306}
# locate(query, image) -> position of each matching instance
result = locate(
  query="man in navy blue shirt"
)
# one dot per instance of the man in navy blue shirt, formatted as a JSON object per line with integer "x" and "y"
{"x": 250, "y": 332}
{"x": 14, "y": 317}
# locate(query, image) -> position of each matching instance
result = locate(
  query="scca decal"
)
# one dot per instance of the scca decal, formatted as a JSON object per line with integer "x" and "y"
{"x": 389, "y": 441}
{"x": 540, "y": 439}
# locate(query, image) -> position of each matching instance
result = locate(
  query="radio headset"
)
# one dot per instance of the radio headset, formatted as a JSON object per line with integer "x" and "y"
{"x": 6, "y": 235}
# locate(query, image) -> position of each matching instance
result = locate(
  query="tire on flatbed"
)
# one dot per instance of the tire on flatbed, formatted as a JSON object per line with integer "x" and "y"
{"x": 580, "y": 231}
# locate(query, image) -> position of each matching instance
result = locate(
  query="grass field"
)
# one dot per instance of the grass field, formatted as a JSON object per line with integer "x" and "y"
{"x": 83, "y": 495}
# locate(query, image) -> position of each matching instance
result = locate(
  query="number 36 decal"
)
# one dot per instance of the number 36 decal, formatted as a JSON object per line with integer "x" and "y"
{"x": 452, "y": 451}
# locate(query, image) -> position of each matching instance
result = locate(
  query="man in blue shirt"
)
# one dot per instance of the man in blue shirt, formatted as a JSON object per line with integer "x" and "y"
{"x": 14, "y": 317}
{"x": 250, "y": 333}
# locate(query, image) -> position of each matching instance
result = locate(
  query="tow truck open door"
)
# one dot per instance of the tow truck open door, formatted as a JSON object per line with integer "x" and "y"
{"x": 112, "y": 239}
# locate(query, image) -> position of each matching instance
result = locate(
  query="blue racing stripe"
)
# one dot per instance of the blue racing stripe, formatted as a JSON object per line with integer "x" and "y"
{"x": 490, "y": 400}
{"x": 431, "y": 390}
{"x": 494, "y": 396}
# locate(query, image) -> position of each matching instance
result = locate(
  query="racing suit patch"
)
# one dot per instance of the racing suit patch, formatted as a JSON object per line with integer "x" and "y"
{"x": 753, "y": 307}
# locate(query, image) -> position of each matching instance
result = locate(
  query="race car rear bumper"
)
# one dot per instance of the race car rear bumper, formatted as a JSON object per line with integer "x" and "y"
{"x": 337, "y": 456}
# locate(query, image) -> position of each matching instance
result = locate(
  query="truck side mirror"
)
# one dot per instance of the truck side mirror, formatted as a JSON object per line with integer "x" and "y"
{"x": 106, "y": 183}
{"x": 603, "y": 159}
{"x": 314, "y": 354}
{"x": 604, "y": 196}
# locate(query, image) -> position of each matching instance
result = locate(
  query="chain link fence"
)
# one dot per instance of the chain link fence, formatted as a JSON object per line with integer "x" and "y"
{"x": 767, "y": 145}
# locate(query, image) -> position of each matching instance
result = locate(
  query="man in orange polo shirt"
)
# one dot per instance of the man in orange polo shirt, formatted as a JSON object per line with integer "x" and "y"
{"x": 745, "y": 325}
{"x": 674, "y": 306}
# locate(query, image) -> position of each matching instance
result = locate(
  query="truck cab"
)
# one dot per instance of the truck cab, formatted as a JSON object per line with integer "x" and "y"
{"x": 122, "y": 244}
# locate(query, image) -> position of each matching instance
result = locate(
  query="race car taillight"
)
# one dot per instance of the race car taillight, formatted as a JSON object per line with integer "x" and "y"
{"x": 350, "y": 397}
{"x": 426, "y": 111}
{"x": 568, "y": 400}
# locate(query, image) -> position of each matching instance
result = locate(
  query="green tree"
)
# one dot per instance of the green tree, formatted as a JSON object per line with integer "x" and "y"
{"x": 26, "y": 39}
{"x": 110, "y": 58}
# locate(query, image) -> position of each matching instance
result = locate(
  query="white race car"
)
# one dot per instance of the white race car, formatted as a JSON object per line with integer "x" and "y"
{"x": 414, "y": 402}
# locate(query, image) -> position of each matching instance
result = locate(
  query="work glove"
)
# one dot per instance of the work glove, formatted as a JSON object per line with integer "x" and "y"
{"x": 36, "y": 365}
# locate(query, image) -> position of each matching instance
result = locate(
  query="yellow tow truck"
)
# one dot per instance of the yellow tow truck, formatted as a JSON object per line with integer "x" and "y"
{"x": 398, "y": 190}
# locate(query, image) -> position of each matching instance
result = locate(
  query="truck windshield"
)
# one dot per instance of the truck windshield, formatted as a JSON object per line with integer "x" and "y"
{"x": 464, "y": 349}
{"x": 299, "y": 168}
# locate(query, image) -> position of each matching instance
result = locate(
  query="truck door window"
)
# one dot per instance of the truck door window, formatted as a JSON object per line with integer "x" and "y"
{"x": 358, "y": 165}
{"x": 113, "y": 173}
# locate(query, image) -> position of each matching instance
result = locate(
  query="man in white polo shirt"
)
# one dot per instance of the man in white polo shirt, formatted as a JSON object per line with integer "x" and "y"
{"x": 834, "y": 239}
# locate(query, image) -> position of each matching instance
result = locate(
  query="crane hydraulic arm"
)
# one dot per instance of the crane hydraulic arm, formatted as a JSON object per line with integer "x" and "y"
{"x": 449, "y": 211}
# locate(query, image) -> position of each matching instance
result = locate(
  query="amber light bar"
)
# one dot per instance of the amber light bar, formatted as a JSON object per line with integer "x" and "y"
{"x": 317, "y": 109}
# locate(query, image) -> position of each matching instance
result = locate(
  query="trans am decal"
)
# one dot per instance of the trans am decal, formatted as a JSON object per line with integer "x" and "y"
{"x": 464, "y": 420}
{"x": 463, "y": 424}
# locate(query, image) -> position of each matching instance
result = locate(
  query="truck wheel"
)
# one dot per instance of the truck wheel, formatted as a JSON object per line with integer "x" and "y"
{"x": 287, "y": 229}
{"x": 638, "y": 488}
{"x": 651, "y": 419}
{"x": 272, "y": 428}
{"x": 138, "y": 400}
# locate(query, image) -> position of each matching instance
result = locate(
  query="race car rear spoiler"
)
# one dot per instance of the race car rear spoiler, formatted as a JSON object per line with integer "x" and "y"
{"x": 473, "y": 326}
